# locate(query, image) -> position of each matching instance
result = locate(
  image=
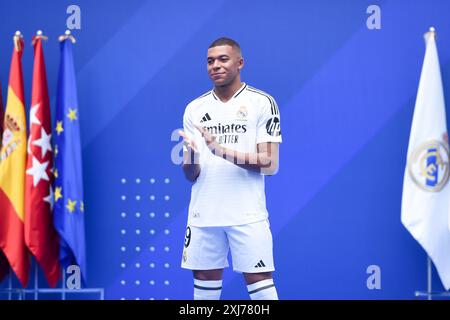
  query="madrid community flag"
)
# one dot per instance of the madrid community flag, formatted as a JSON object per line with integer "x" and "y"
{"x": 12, "y": 171}
{"x": 68, "y": 210}
{"x": 40, "y": 234}
{"x": 426, "y": 191}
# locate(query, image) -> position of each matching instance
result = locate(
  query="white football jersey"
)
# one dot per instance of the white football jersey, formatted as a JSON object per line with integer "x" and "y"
{"x": 225, "y": 194}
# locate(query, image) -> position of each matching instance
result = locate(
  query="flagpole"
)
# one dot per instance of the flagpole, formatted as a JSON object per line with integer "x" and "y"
{"x": 431, "y": 33}
{"x": 36, "y": 279}
{"x": 63, "y": 295}
{"x": 9, "y": 283}
{"x": 429, "y": 279}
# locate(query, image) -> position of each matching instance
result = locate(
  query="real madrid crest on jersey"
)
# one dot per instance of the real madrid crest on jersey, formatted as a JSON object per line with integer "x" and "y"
{"x": 242, "y": 113}
{"x": 429, "y": 165}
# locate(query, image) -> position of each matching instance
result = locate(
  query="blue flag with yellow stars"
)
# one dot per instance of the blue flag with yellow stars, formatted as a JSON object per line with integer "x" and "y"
{"x": 68, "y": 209}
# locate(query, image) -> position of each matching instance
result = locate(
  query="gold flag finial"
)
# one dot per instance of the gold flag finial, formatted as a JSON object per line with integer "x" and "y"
{"x": 38, "y": 35}
{"x": 17, "y": 43}
{"x": 66, "y": 36}
{"x": 431, "y": 33}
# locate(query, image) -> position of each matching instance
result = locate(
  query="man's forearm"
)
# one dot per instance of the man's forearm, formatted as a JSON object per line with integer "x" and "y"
{"x": 191, "y": 171}
{"x": 191, "y": 166}
{"x": 257, "y": 162}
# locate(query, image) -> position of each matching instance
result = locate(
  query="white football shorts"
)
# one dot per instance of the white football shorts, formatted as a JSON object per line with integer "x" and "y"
{"x": 206, "y": 248}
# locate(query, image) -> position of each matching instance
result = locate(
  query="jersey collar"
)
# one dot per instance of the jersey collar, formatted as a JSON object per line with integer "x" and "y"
{"x": 238, "y": 92}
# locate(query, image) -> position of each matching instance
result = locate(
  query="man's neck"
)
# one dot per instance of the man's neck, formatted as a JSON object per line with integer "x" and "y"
{"x": 225, "y": 93}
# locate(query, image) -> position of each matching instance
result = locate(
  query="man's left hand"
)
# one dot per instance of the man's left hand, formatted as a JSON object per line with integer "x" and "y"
{"x": 210, "y": 141}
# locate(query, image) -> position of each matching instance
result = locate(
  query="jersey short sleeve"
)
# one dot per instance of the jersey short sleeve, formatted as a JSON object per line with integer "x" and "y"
{"x": 188, "y": 124}
{"x": 268, "y": 125}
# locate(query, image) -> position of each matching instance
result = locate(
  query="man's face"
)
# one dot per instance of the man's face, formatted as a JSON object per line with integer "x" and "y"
{"x": 223, "y": 63}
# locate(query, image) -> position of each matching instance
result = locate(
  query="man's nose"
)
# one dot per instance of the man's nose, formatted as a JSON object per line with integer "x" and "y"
{"x": 216, "y": 64}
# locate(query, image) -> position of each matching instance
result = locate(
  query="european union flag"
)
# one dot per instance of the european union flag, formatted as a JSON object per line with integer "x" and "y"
{"x": 68, "y": 209}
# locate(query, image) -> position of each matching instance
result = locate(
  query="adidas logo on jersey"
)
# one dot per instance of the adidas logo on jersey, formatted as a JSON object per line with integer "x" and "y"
{"x": 260, "y": 264}
{"x": 205, "y": 118}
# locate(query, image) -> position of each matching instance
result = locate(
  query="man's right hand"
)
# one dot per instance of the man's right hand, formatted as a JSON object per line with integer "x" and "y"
{"x": 188, "y": 142}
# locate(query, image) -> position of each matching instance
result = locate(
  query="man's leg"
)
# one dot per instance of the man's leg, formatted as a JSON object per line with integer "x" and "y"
{"x": 260, "y": 286}
{"x": 207, "y": 284}
{"x": 251, "y": 249}
{"x": 205, "y": 253}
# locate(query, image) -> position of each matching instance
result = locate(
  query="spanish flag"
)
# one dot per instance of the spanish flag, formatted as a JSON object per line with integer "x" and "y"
{"x": 12, "y": 171}
{"x": 1, "y": 114}
{"x": 3, "y": 262}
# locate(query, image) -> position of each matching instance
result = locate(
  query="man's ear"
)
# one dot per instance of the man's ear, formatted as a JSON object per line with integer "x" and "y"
{"x": 241, "y": 63}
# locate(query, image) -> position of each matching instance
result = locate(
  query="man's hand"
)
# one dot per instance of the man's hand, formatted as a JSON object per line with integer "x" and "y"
{"x": 188, "y": 142}
{"x": 210, "y": 141}
{"x": 191, "y": 166}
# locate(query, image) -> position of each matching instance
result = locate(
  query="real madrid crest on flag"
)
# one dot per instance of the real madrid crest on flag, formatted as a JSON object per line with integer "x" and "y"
{"x": 428, "y": 166}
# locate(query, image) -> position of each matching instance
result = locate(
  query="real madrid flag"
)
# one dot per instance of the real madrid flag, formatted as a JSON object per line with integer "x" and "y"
{"x": 426, "y": 191}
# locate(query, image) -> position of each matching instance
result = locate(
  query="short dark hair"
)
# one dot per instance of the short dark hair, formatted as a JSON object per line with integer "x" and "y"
{"x": 223, "y": 41}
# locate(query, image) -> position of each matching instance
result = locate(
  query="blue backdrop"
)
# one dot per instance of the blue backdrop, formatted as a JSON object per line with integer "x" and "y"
{"x": 346, "y": 96}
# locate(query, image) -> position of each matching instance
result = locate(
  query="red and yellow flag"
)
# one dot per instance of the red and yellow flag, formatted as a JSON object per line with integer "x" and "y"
{"x": 40, "y": 234}
{"x": 12, "y": 171}
{"x": 3, "y": 261}
{"x": 1, "y": 114}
